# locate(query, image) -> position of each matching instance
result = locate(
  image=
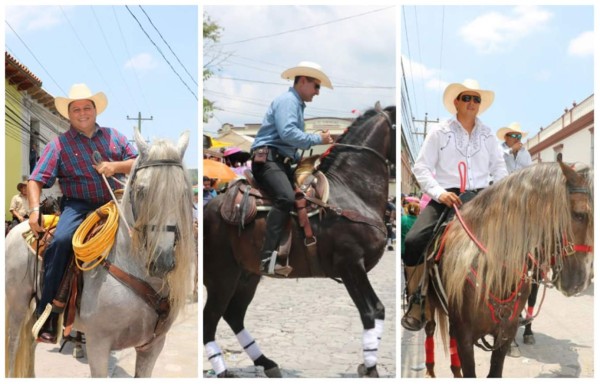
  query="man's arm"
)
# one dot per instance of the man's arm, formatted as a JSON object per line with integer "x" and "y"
{"x": 34, "y": 191}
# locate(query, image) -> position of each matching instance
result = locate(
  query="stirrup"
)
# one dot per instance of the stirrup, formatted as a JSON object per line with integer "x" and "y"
{"x": 37, "y": 326}
{"x": 410, "y": 322}
{"x": 269, "y": 266}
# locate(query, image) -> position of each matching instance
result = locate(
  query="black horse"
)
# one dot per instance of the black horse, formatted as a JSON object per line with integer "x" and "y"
{"x": 351, "y": 239}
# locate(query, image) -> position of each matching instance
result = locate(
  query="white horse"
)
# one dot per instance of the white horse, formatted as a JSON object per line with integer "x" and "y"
{"x": 157, "y": 204}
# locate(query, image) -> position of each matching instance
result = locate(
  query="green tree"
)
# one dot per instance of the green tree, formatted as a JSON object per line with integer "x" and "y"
{"x": 213, "y": 57}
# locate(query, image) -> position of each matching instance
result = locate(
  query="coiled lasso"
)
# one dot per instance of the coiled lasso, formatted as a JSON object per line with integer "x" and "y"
{"x": 98, "y": 247}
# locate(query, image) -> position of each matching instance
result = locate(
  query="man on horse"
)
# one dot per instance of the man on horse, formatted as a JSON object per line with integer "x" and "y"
{"x": 275, "y": 148}
{"x": 70, "y": 158}
{"x": 461, "y": 139}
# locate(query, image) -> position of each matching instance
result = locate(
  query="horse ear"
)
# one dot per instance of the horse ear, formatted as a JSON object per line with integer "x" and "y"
{"x": 140, "y": 142}
{"x": 573, "y": 178}
{"x": 378, "y": 106}
{"x": 182, "y": 143}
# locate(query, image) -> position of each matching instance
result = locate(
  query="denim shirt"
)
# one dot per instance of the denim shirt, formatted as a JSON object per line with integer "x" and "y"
{"x": 283, "y": 126}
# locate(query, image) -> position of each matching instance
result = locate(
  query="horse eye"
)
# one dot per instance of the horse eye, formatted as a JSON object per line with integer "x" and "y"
{"x": 578, "y": 216}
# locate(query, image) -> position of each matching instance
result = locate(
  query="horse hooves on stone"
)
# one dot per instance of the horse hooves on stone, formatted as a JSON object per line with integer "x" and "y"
{"x": 226, "y": 375}
{"x": 367, "y": 372}
{"x": 529, "y": 339}
{"x": 273, "y": 373}
{"x": 78, "y": 352}
{"x": 514, "y": 351}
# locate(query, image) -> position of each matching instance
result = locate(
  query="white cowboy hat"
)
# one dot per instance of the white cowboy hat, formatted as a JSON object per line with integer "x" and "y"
{"x": 512, "y": 127}
{"x": 80, "y": 92}
{"x": 310, "y": 69}
{"x": 455, "y": 89}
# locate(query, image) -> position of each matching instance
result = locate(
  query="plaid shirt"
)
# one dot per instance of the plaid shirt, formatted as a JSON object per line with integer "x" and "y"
{"x": 70, "y": 158}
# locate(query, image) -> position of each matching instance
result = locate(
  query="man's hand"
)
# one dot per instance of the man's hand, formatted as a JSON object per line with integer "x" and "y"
{"x": 449, "y": 199}
{"x": 516, "y": 147}
{"x": 105, "y": 168}
{"x": 326, "y": 137}
{"x": 33, "y": 222}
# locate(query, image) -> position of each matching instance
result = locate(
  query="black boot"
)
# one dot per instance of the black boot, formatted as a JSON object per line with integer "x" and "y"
{"x": 276, "y": 221}
{"x": 49, "y": 330}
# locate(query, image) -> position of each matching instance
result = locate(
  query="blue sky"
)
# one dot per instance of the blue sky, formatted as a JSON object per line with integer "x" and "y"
{"x": 104, "y": 47}
{"x": 537, "y": 59}
{"x": 355, "y": 45}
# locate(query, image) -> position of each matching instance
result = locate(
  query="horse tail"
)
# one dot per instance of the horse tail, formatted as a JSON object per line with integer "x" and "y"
{"x": 24, "y": 358}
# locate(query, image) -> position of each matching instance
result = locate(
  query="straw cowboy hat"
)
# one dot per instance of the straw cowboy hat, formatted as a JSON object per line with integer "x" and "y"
{"x": 455, "y": 89}
{"x": 20, "y": 185}
{"x": 80, "y": 92}
{"x": 512, "y": 127}
{"x": 309, "y": 69}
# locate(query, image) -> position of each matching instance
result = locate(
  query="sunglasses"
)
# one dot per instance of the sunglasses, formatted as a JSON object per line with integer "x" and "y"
{"x": 514, "y": 135}
{"x": 467, "y": 98}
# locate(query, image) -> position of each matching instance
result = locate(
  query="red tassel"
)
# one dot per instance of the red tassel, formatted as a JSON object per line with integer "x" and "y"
{"x": 429, "y": 350}
{"x": 454, "y": 359}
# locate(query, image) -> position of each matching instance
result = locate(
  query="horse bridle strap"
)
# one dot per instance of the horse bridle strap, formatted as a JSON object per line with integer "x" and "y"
{"x": 158, "y": 163}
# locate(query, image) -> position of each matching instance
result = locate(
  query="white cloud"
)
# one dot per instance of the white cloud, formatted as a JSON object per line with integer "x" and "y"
{"x": 582, "y": 45}
{"x": 543, "y": 75}
{"x": 31, "y": 19}
{"x": 497, "y": 32}
{"x": 142, "y": 61}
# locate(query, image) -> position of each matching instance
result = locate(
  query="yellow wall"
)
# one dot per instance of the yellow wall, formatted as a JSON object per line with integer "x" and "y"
{"x": 13, "y": 147}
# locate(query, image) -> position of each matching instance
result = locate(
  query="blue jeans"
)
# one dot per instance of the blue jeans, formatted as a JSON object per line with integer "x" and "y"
{"x": 60, "y": 251}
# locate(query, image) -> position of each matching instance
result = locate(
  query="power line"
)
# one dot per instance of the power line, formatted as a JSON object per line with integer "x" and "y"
{"x": 304, "y": 28}
{"x": 276, "y": 83}
{"x": 110, "y": 50}
{"x": 119, "y": 102}
{"x": 137, "y": 78}
{"x": 36, "y": 59}
{"x": 168, "y": 46}
{"x": 161, "y": 53}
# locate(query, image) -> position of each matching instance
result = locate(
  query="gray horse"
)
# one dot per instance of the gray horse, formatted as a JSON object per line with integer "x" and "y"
{"x": 157, "y": 205}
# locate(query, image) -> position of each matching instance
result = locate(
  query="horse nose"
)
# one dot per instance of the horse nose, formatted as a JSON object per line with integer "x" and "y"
{"x": 163, "y": 263}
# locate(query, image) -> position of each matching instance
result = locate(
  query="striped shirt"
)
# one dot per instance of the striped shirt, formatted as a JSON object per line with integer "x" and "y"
{"x": 69, "y": 157}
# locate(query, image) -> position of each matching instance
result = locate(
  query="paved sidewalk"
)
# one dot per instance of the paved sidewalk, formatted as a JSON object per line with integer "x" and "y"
{"x": 178, "y": 359}
{"x": 311, "y": 327}
{"x": 564, "y": 334}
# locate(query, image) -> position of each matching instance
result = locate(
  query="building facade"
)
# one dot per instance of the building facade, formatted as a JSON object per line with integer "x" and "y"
{"x": 31, "y": 121}
{"x": 571, "y": 135}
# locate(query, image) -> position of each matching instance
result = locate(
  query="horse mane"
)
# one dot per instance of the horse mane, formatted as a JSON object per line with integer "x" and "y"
{"x": 527, "y": 212}
{"x": 328, "y": 158}
{"x": 169, "y": 191}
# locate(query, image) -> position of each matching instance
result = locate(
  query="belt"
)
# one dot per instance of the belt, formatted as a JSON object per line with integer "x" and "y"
{"x": 457, "y": 190}
{"x": 273, "y": 155}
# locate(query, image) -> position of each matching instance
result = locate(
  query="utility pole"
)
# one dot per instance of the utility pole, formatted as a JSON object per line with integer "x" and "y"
{"x": 139, "y": 119}
{"x": 424, "y": 133}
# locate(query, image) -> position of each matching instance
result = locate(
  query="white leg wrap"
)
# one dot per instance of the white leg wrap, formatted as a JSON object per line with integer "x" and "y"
{"x": 215, "y": 356}
{"x": 249, "y": 344}
{"x": 371, "y": 339}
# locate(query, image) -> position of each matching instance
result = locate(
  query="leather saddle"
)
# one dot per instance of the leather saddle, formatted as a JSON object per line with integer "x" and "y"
{"x": 245, "y": 197}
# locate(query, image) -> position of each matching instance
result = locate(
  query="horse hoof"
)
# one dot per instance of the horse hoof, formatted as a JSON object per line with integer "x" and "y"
{"x": 273, "y": 373}
{"x": 529, "y": 339}
{"x": 367, "y": 372}
{"x": 514, "y": 351}
{"x": 226, "y": 374}
{"x": 78, "y": 352}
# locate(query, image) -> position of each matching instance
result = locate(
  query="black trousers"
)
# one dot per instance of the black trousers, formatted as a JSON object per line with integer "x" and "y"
{"x": 276, "y": 178}
{"x": 421, "y": 232}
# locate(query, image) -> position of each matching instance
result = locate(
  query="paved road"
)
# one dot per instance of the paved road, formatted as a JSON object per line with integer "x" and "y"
{"x": 311, "y": 328}
{"x": 179, "y": 357}
{"x": 564, "y": 333}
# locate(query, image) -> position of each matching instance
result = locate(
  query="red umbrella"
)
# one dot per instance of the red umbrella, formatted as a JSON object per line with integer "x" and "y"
{"x": 217, "y": 170}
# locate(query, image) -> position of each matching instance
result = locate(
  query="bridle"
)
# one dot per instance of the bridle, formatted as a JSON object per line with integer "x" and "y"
{"x": 153, "y": 163}
{"x": 392, "y": 127}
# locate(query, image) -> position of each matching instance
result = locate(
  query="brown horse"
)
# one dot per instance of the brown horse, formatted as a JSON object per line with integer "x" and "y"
{"x": 536, "y": 225}
{"x": 351, "y": 238}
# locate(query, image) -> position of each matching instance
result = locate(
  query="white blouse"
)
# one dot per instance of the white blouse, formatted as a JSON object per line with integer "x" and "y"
{"x": 448, "y": 144}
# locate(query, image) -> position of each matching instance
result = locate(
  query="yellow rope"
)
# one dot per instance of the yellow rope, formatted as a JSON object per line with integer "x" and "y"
{"x": 98, "y": 247}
